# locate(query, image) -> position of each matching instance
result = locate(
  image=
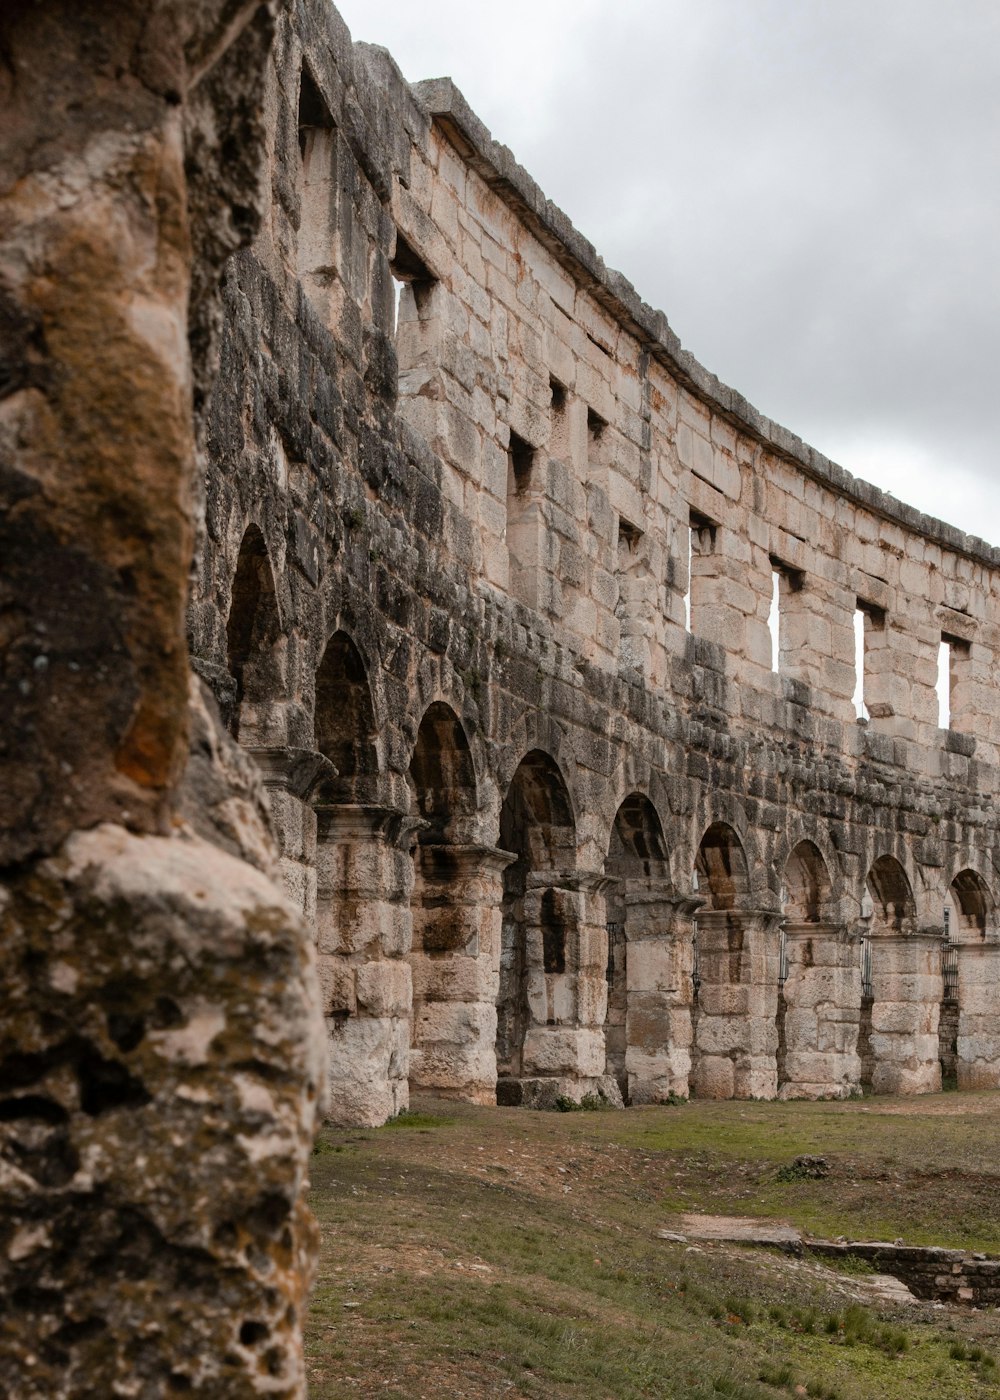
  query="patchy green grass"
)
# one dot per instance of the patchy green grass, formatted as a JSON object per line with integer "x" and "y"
{"x": 505, "y": 1253}
{"x": 924, "y": 1170}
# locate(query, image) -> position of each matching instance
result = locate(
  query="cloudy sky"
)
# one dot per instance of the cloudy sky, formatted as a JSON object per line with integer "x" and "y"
{"x": 810, "y": 189}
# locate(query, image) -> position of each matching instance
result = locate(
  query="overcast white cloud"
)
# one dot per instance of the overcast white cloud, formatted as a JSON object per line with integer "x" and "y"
{"x": 810, "y": 191}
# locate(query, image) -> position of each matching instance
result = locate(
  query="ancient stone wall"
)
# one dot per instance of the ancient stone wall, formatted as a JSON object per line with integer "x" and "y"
{"x": 487, "y": 586}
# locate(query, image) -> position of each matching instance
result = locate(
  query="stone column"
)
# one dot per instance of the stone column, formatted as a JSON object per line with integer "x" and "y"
{"x": 979, "y": 1016}
{"x": 456, "y": 970}
{"x": 291, "y": 776}
{"x": 822, "y": 1012}
{"x": 737, "y": 1032}
{"x": 659, "y": 931}
{"x": 363, "y": 934}
{"x": 567, "y": 952}
{"x": 907, "y": 988}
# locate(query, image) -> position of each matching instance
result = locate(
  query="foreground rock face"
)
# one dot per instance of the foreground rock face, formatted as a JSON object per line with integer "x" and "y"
{"x": 160, "y": 1057}
{"x": 486, "y": 542}
{"x": 156, "y": 1129}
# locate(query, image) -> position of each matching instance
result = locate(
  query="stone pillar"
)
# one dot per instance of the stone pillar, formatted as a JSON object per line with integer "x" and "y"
{"x": 567, "y": 952}
{"x": 291, "y": 776}
{"x": 979, "y": 1016}
{"x": 659, "y": 931}
{"x": 456, "y": 970}
{"x": 363, "y": 933}
{"x": 737, "y": 1032}
{"x": 907, "y": 988}
{"x": 822, "y": 1012}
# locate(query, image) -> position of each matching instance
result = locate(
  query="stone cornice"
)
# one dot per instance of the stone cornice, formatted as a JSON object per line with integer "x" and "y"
{"x": 495, "y": 164}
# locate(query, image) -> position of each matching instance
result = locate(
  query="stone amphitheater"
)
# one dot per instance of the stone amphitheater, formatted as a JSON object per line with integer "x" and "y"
{"x": 487, "y": 590}
{"x": 589, "y": 731}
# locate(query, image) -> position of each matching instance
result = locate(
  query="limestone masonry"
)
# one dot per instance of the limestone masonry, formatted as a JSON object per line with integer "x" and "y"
{"x": 485, "y": 590}
{"x": 501, "y": 793}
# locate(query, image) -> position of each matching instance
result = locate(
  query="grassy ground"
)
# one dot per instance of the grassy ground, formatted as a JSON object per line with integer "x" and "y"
{"x": 503, "y": 1253}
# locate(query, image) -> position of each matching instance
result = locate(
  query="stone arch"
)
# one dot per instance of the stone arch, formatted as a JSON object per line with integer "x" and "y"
{"x": 900, "y": 1018}
{"x": 637, "y": 845}
{"x": 538, "y": 826}
{"x": 537, "y": 819}
{"x": 969, "y": 1038}
{"x": 432, "y": 690}
{"x": 722, "y": 868}
{"x": 364, "y": 879}
{"x": 974, "y": 906}
{"x": 536, "y": 731}
{"x": 345, "y": 723}
{"x": 638, "y": 870}
{"x": 969, "y": 917}
{"x": 720, "y": 810}
{"x": 442, "y": 774}
{"x": 819, "y": 984}
{"x": 736, "y": 946}
{"x": 891, "y": 895}
{"x": 633, "y": 776}
{"x": 350, "y": 609}
{"x": 807, "y": 883}
{"x": 253, "y": 632}
{"x": 814, "y": 834}
{"x": 455, "y": 918}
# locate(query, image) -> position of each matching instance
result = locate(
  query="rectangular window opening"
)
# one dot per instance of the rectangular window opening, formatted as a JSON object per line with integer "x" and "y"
{"x": 413, "y": 322}
{"x": 595, "y": 425}
{"x": 411, "y": 278}
{"x": 944, "y": 684}
{"x": 631, "y": 605}
{"x": 559, "y": 438}
{"x": 784, "y": 580}
{"x": 520, "y": 464}
{"x": 316, "y": 187}
{"x": 629, "y": 536}
{"x": 313, "y": 111}
{"x": 701, "y": 542}
{"x": 868, "y": 618}
{"x": 951, "y": 653}
{"x": 523, "y": 529}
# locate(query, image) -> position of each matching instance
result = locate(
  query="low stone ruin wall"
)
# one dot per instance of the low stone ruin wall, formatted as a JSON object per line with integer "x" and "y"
{"x": 944, "y": 1275}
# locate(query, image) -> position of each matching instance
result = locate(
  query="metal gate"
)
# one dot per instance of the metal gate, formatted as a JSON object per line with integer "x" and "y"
{"x": 866, "y": 967}
{"x": 949, "y": 968}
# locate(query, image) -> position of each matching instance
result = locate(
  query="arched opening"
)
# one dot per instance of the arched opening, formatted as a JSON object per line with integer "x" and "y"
{"x": 721, "y": 868}
{"x": 318, "y": 188}
{"x": 806, "y": 888}
{"x": 363, "y": 884}
{"x": 819, "y": 990}
{"x": 441, "y": 775}
{"x": 900, "y": 1018}
{"x": 637, "y": 857}
{"x": 973, "y": 907}
{"x": 891, "y": 896}
{"x": 345, "y": 721}
{"x": 968, "y": 908}
{"x": 885, "y": 904}
{"x": 537, "y": 825}
{"x": 720, "y": 878}
{"x": 444, "y": 1053}
{"x": 252, "y": 633}
{"x": 735, "y": 1011}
